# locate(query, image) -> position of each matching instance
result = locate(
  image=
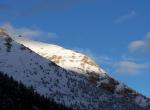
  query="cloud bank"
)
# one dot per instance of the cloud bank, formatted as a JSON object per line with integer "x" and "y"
{"x": 122, "y": 65}
{"x": 20, "y": 9}
{"x": 125, "y": 17}
{"x": 129, "y": 67}
{"x": 28, "y": 32}
{"x": 140, "y": 46}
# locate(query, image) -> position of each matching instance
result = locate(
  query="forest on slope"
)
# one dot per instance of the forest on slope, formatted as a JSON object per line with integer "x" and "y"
{"x": 16, "y": 96}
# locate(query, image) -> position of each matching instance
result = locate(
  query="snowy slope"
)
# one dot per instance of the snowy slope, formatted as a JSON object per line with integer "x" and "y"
{"x": 65, "y": 58}
{"x": 86, "y": 91}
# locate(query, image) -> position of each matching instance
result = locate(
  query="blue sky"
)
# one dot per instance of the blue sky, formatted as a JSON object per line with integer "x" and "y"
{"x": 113, "y": 32}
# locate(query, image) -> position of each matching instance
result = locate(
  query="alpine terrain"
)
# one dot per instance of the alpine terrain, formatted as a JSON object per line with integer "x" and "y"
{"x": 65, "y": 76}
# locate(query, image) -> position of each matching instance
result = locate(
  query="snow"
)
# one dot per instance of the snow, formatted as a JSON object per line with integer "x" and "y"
{"x": 65, "y": 58}
{"x": 120, "y": 87}
{"x": 66, "y": 87}
{"x": 47, "y": 78}
{"x": 141, "y": 101}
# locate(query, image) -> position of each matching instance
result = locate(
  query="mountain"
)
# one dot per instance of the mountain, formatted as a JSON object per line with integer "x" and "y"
{"x": 65, "y": 58}
{"x": 16, "y": 96}
{"x": 67, "y": 77}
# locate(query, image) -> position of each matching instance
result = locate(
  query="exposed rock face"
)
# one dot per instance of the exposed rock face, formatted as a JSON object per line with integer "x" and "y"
{"x": 3, "y": 32}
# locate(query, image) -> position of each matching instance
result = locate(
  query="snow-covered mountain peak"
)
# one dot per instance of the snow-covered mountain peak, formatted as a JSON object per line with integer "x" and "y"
{"x": 92, "y": 89}
{"x": 65, "y": 58}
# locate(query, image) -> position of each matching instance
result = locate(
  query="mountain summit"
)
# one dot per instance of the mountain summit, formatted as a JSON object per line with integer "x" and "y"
{"x": 67, "y": 59}
{"x": 67, "y": 77}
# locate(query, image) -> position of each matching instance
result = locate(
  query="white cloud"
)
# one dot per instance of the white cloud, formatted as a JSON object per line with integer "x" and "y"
{"x": 126, "y": 64}
{"x": 141, "y": 45}
{"x": 125, "y": 17}
{"x": 129, "y": 67}
{"x": 27, "y": 32}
